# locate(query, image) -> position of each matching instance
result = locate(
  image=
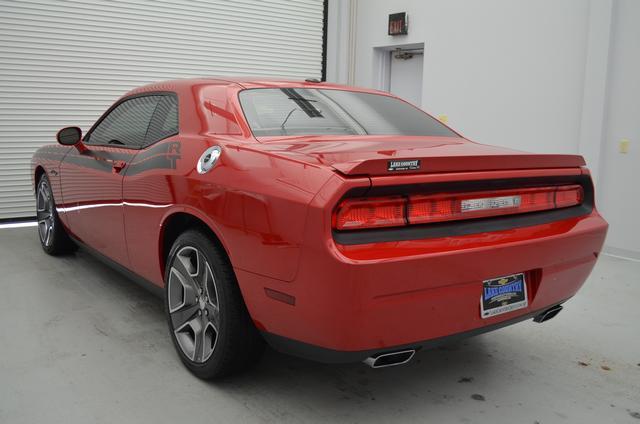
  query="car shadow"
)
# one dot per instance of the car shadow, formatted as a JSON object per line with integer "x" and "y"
{"x": 444, "y": 376}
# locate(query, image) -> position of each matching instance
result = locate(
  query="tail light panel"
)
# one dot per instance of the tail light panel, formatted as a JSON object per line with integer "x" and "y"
{"x": 370, "y": 213}
{"x": 394, "y": 211}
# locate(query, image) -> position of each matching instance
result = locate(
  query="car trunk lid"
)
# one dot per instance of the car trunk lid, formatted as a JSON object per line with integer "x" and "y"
{"x": 388, "y": 155}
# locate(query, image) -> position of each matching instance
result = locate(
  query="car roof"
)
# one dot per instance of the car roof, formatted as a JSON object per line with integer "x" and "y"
{"x": 242, "y": 81}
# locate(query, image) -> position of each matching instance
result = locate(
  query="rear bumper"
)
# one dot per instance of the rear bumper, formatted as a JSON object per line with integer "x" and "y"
{"x": 330, "y": 356}
{"x": 361, "y": 299}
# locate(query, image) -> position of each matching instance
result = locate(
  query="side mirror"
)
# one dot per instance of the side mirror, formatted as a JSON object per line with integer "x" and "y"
{"x": 69, "y": 136}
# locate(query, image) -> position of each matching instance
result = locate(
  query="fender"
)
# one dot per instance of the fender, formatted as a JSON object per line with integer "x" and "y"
{"x": 189, "y": 210}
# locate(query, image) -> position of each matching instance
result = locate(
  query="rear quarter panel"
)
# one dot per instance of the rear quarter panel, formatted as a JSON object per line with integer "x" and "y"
{"x": 255, "y": 203}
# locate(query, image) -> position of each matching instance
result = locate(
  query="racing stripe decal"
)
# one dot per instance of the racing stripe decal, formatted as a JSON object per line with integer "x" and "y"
{"x": 163, "y": 156}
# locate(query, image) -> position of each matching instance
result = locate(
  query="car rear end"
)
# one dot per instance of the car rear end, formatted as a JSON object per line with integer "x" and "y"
{"x": 396, "y": 261}
{"x": 420, "y": 235}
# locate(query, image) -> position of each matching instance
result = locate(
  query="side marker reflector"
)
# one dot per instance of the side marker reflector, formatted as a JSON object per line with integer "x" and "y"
{"x": 279, "y": 296}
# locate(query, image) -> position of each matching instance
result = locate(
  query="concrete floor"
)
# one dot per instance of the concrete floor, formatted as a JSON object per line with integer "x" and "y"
{"x": 81, "y": 344}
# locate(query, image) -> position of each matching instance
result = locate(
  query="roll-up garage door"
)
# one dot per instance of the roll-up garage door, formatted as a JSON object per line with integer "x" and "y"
{"x": 64, "y": 62}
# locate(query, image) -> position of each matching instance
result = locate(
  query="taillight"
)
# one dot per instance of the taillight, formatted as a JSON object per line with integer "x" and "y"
{"x": 439, "y": 207}
{"x": 369, "y": 213}
{"x": 569, "y": 196}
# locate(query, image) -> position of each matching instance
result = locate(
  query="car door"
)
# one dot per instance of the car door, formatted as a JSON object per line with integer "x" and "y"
{"x": 149, "y": 188}
{"x": 92, "y": 175}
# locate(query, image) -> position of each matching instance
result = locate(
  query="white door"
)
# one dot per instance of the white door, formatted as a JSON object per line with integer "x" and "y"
{"x": 405, "y": 79}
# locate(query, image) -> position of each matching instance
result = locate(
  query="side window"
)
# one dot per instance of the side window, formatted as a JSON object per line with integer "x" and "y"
{"x": 127, "y": 124}
{"x": 164, "y": 122}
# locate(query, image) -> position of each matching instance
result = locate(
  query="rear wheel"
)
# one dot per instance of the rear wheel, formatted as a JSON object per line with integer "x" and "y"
{"x": 53, "y": 237}
{"x": 208, "y": 320}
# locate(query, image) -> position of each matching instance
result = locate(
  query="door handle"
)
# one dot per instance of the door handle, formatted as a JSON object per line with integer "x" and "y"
{"x": 118, "y": 165}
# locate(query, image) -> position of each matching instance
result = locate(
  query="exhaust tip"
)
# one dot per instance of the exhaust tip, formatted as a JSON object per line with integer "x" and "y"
{"x": 390, "y": 359}
{"x": 548, "y": 314}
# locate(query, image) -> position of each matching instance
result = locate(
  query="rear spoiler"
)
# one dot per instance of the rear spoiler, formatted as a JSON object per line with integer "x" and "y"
{"x": 440, "y": 164}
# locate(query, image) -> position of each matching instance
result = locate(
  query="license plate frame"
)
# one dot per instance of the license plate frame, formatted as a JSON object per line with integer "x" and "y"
{"x": 504, "y": 294}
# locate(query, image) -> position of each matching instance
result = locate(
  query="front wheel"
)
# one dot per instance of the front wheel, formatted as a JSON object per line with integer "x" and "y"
{"x": 53, "y": 237}
{"x": 208, "y": 320}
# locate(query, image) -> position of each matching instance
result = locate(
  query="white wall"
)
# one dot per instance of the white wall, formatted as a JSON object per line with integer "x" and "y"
{"x": 619, "y": 186}
{"x": 486, "y": 61}
{"x": 537, "y": 75}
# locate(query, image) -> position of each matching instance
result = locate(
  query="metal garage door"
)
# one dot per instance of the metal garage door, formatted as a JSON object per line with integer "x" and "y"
{"x": 64, "y": 62}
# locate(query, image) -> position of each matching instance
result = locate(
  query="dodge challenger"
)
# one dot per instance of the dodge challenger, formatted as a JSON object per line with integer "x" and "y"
{"x": 333, "y": 223}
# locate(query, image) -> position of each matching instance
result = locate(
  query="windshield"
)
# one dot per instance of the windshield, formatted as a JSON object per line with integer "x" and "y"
{"x": 305, "y": 111}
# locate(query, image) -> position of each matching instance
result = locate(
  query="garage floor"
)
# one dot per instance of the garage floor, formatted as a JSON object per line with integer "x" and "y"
{"x": 81, "y": 344}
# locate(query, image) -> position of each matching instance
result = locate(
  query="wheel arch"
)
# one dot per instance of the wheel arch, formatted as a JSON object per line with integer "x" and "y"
{"x": 178, "y": 222}
{"x": 37, "y": 173}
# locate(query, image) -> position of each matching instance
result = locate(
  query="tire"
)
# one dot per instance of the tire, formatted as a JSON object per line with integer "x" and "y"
{"x": 53, "y": 237}
{"x": 208, "y": 321}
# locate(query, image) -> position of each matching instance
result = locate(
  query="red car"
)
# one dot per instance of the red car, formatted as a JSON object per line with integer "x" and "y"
{"x": 335, "y": 223}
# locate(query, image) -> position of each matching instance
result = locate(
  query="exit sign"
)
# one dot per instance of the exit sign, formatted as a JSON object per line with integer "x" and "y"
{"x": 398, "y": 24}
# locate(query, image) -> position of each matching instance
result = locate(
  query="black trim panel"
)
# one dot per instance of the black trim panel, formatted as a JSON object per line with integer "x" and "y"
{"x": 471, "y": 226}
{"x": 18, "y": 220}
{"x": 325, "y": 25}
{"x": 330, "y": 356}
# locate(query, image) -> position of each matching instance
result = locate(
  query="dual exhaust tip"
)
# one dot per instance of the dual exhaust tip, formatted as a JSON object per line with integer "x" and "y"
{"x": 548, "y": 314}
{"x": 390, "y": 359}
{"x": 401, "y": 357}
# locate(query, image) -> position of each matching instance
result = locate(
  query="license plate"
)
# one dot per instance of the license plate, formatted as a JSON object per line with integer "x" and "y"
{"x": 503, "y": 294}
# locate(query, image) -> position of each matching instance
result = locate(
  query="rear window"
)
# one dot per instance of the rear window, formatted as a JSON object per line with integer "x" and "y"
{"x": 305, "y": 111}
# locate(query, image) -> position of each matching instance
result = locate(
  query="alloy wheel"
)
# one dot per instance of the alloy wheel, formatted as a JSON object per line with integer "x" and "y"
{"x": 44, "y": 213}
{"x": 193, "y": 304}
